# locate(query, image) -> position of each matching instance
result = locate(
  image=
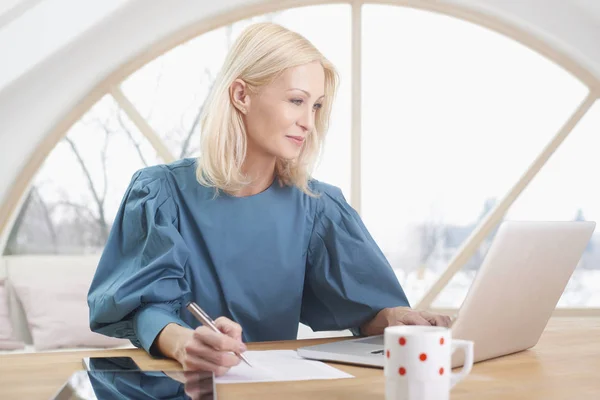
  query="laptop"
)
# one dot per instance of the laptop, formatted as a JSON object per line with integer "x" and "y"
{"x": 510, "y": 301}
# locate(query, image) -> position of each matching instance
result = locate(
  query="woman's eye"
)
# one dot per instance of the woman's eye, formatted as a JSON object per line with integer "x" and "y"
{"x": 317, "y": 106}
{"x": 297, "y": 102}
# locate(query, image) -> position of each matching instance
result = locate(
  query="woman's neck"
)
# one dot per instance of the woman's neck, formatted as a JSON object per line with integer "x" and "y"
{"x": 260, "y": 172}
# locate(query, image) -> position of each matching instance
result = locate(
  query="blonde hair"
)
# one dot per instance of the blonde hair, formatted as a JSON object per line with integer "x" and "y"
{"x": 261, "y": 53}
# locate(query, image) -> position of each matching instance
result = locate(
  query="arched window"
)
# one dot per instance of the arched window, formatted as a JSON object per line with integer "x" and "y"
{"x": 451, "y": 115}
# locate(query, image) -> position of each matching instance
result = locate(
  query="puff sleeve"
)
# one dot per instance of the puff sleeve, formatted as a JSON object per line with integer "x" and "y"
{"x": 139, "y": 286}
{"x": 348, "y": 279}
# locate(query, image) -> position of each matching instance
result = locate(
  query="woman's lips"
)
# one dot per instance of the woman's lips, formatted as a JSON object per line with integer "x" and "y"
{"x": 298, "y": 140}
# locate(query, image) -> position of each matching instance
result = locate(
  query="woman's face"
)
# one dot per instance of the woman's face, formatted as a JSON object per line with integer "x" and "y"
{"x": 281, "y": 115}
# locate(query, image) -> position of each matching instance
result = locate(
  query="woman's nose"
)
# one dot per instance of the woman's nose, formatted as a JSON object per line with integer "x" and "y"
{"x": 307, "y": 121}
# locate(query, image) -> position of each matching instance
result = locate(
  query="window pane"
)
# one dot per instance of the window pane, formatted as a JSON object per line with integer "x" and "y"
{"x": 77, "y": 191}
{"x": 562, "y": 191}
{"x": 453, "y": 114}
{"x": 565, "y": 190}
{"x": 170, "y": 91}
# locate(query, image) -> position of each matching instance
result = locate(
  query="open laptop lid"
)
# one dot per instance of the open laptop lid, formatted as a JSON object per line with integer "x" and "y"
{"x": 519, "y": 285}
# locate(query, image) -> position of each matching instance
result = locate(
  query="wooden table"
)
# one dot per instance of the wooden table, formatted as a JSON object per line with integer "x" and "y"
{"x": 564, "y": 365}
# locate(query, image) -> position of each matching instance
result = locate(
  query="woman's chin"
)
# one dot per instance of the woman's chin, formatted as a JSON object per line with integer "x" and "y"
{"x": 289, "y": 154}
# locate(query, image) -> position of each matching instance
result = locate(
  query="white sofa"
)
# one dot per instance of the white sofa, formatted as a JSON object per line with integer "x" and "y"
{"x": 36, "y": 283}
{"x": 17, "y": 316}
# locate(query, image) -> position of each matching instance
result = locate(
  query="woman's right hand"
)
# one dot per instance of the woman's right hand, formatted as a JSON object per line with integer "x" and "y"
{"x": 206, "y": 350}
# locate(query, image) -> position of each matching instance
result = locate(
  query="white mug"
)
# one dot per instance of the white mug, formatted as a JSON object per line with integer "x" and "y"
{"x": 418, "y": 362}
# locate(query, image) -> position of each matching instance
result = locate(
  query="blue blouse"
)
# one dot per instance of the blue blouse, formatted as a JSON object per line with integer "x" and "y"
{"x": 267, "y": 261}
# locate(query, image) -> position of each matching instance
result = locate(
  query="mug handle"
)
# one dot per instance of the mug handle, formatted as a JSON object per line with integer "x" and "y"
{"x": 467, "y": 347}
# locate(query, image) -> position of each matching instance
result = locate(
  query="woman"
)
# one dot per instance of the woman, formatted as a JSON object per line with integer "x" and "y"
{"x": 244, "y": 231}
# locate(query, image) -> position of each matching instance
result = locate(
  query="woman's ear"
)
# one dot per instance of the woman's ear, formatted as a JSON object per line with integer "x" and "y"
{"x": 238, "y": 93}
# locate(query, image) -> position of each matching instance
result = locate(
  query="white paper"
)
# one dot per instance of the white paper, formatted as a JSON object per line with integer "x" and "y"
{"x": 279, "y": 365}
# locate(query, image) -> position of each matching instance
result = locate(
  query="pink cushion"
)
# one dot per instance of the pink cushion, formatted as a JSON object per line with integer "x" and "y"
{"x": 58, "y": 315}
{"x": 7, "y": 341}
{"x": 11, "y": 345}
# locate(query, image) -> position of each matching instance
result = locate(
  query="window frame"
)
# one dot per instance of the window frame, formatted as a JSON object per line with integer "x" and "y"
{"x": 111, "y": 85}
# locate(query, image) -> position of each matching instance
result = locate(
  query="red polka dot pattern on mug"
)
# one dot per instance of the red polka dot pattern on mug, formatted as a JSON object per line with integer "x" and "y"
{"x": 418, "y": 358}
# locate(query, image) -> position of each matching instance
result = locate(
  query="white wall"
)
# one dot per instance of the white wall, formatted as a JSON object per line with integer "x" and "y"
{"x": 572, "y": 27}
{"x": 45, "y": 28}
{"x": 33, "y": 104}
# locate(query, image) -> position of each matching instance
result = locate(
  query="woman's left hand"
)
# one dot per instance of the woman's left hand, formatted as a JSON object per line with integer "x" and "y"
{"x": 403, "y": 316}
{"x": 408, "y": 316}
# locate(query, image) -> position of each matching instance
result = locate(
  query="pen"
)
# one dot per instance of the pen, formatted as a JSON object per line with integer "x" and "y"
{"x": 208, "y": 322}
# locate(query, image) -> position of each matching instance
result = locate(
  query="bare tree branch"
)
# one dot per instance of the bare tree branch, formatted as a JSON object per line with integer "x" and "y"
{"x": 77, "y": 207}
{"x": 104, "y": 170}
{"x": 211, "y": 79}
{"x": 186, "y": 143}
{"x": 29, "y": 227}
{"x": 156, "y": 87}
{"x": 47, "y": 217}
{"x": 101, "y": 217}
{"x": 138, "y": 149}
{"x": 105, "y": 125}
{"x": 432, "y": 234}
